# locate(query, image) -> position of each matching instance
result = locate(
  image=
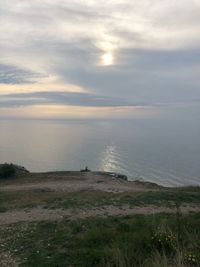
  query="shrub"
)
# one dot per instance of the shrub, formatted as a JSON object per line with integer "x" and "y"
{"x": 192, "y": 258}
{"x": 164, "y": 241}
{"x": 7, "y": 170}
{"x": 85, "y": 170}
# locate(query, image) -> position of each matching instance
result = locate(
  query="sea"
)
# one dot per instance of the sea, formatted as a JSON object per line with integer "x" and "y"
{"x": 165, "y": 151}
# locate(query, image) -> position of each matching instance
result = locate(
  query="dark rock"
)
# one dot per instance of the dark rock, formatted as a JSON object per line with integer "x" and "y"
{"x": 119, "y": 176}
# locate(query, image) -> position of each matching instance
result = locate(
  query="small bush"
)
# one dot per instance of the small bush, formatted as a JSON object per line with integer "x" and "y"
{"x": 164, "y": 241}
{"x": 7, "y": 170}
{"x": 85, "y": 170}
{"x": 192, "y": 258}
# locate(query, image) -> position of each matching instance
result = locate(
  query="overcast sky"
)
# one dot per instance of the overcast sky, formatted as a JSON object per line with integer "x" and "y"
{"x": 91, "y": 58}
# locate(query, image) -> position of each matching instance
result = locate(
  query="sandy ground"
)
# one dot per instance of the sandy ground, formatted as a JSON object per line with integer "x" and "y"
{"x": 7, "y": 260}
{"x": 39, "y": 214}
{"x": 77, "y": 182}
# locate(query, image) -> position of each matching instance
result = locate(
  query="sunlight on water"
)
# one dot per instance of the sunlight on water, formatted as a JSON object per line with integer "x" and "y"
{"x": 138, "y": 150}
{"x": 109, "y": 160}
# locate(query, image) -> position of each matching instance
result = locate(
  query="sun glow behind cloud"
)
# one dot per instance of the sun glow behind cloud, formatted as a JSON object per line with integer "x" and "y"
{"x": 107, "y": 59}
{"x": 143, "y": 51}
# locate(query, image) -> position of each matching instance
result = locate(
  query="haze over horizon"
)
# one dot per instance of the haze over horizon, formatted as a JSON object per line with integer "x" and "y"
{"x": 90, "y": 59}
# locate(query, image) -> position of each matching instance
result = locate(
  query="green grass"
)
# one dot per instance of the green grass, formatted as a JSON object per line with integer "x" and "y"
{"x": 116, "y": 242}
{"x": 161, "y": 198}
{"x": 85, "y": 200}
{"x": 101, "y": 242}
{"x": 53, "y": 200}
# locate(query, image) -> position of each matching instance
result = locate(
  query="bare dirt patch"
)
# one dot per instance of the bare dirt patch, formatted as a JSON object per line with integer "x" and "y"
{"x": 77, "y": 181}
{"x": 39, "y": 214}
{"x": 6, "y": 260}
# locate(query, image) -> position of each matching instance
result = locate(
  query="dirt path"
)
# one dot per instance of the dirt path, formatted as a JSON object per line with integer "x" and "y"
{"x": 82, "y": 181}
{"x": 39, "y": 214}
{"x": 75, "y": 182}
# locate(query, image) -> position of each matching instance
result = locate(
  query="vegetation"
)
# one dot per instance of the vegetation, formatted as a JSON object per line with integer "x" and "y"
{"x": 143, "y": 241}
{"x": 86, "y": 169}
{"x": 94, "y": 199}
{"x": 89, "y": 200}
{"x": 157, "y": 240}
{"x": 7, "y": 170}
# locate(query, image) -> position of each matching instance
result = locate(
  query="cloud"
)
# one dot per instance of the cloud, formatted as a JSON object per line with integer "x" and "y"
{"x": 141, "y": 75}
{"x": 56, "y": 98}
{"x": 156, "y": 49}
{"x": 14, "y": 75}
{"x": 62, "y": 98}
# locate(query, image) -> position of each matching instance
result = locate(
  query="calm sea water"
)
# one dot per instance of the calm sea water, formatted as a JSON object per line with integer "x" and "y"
{"x": 163, "y": 151}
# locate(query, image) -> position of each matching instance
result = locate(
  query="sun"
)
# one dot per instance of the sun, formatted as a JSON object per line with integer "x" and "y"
{"x": 107, "y": 59}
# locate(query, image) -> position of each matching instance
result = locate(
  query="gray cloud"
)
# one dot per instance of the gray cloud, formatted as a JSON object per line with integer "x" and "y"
{"x": 83, "y": 99}
{"x": 156, "y": 49}
{"x": 141, "y": 75}
{"x": 14, "y": 75}
{"x": 64, "y": 98}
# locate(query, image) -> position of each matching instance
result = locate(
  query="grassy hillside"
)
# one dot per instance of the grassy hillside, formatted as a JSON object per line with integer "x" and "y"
{"x": 81, "y": 229}
{"x": 151, "y": 241}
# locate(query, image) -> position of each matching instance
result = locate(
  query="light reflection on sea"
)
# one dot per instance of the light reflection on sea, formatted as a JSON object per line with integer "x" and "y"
{"x": 144, "y": 151}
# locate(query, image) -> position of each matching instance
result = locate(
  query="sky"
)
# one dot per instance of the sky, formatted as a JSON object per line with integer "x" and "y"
{"x": 98, "y": 59}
